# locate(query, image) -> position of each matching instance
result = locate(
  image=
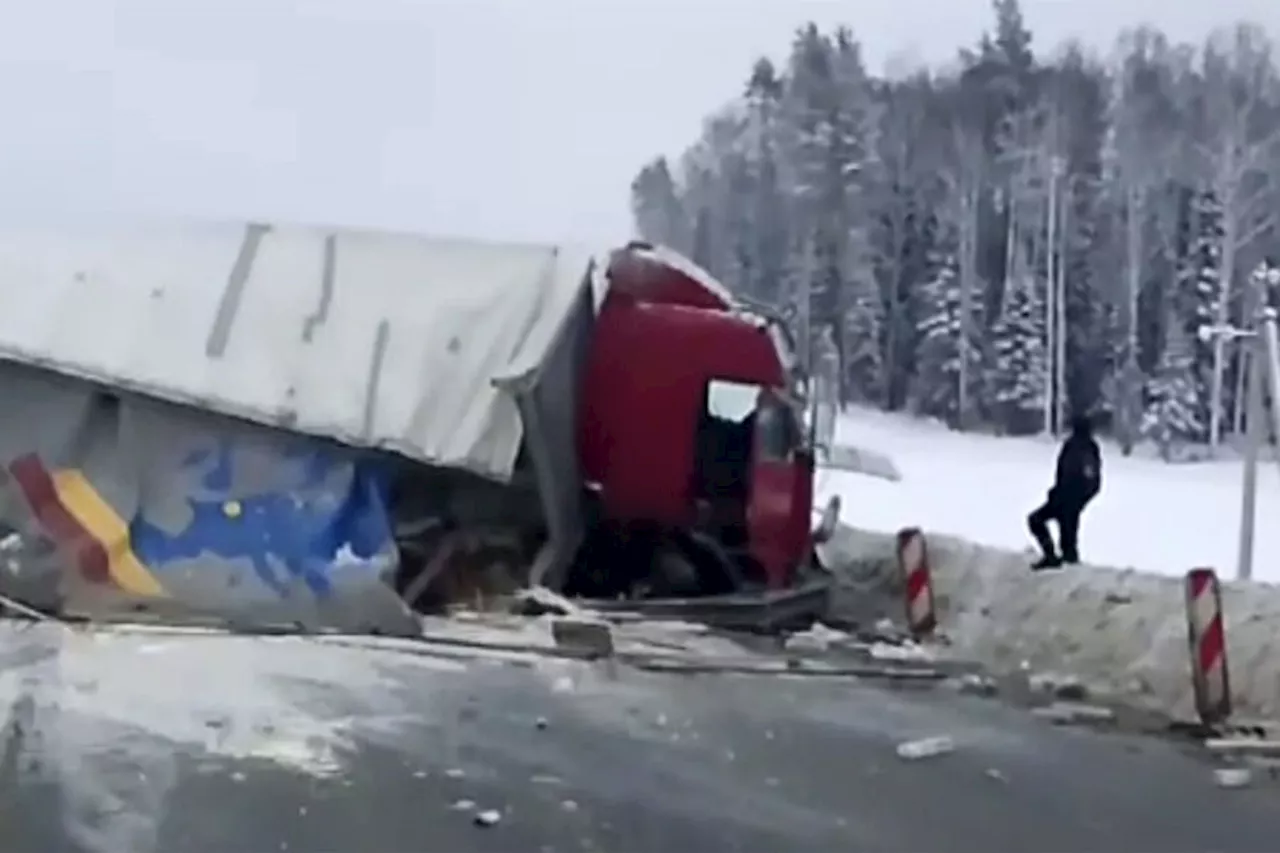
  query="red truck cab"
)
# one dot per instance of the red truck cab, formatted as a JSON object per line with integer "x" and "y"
{"x": 691, "y": 439}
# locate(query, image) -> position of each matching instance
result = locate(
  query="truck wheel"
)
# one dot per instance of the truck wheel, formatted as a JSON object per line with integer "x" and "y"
{"x": 716, "y": 571}
{"x": 673, "y": 576}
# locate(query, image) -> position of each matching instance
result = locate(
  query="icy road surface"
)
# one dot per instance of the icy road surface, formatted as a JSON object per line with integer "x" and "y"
{"x": 158, "y": 742}
{"x": 1151, "y": 516}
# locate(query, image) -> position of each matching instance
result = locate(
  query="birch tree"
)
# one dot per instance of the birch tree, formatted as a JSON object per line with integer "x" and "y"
{"x": 1236, "y": 117}
{"x": 1143, "y": 122}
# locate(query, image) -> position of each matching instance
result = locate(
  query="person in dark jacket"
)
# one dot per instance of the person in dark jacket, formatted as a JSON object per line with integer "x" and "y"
{"x": 1076, "y": 482}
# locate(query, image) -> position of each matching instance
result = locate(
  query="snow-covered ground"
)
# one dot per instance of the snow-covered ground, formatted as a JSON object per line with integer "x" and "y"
{"x": 1151, "y": 516}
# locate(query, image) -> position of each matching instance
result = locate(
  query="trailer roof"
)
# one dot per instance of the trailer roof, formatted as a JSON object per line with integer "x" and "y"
{"x": 375, "y": 340}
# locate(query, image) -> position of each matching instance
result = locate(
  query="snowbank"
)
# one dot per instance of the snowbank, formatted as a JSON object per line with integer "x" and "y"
{"x": 1122, "y": 631}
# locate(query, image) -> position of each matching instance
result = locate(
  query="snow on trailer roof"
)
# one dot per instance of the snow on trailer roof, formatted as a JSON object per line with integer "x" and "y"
{"x": 375, "y": 340}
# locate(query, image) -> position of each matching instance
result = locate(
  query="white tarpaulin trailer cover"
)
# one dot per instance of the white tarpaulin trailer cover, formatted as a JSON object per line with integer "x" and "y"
{"x": 375, "y": 340}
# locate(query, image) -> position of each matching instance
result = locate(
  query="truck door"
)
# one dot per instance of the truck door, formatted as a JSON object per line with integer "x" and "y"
{"x": 774, "y": 500}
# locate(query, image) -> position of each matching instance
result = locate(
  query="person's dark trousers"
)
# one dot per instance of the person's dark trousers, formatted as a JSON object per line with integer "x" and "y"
{"x": 1067, "y": 514}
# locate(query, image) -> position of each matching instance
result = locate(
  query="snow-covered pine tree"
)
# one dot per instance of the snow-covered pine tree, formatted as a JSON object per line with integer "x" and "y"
{"x": 864, "y": 376}
{"x": 1016, "y": 380}
{"x": 1174, "y": 412}
{"x": 1199, "y": 289}
{"x": 936, "y": 388}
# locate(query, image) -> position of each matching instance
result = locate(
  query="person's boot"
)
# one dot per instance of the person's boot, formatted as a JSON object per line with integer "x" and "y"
{"x": 1048, "y": 561}
{"x": 1070, "y": 559}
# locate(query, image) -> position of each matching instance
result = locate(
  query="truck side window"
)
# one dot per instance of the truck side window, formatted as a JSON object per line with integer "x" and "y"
{"x": 726, "y": 432}
{"x": 776, "y": 432}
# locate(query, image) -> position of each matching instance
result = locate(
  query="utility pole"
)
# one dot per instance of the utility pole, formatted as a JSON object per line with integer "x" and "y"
{"x": 1059, "y": 302}
{"x": 1051, "y": 308}
{"x": 1263, "y": 343}
{"x": 804, "y": 310}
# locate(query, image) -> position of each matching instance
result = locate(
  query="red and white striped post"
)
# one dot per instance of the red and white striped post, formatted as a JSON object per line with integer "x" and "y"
{"x": 913, "y": 563}
{"x": 1207, "y": 636}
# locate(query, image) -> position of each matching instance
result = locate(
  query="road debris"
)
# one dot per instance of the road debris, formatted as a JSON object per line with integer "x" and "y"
{"x": 908, "y": 650}
{"x": 589, "y": 637}
{"x": 914, "y": 750}
{"x": 1059, "y": 685}
{"x": 1063, "y": 713}
{"x": 539, "y": 601}
{"x": 1242, "y": 746}
{"x": 818, "y": 638}
{"x": 977, "y": 684}
{"x": 540, "y": 723}
{"x": 464, "y": 805}
{"x": 1233, "y": 777}
{"x": 488, "y": 817}
{"x": 791, "y": 668}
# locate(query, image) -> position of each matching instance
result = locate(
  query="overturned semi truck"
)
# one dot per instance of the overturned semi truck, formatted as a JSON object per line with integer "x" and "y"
{"x": 264, "y": 425}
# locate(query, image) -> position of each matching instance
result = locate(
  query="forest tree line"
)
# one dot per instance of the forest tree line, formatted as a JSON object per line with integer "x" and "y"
{"x": 1021, "y": 237}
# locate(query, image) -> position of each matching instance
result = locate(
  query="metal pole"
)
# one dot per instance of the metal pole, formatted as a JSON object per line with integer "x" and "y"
{"x": 1060, "y": 303}
{"x": 1049, "y": 350}
{"x": 806, "y": 310}
{"x": 1271, "y": 363}
{"x": 1255, "y": 428}
{"x": 1051, "y": 306}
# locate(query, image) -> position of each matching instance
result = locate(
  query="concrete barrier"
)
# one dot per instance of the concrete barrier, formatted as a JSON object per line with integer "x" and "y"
{"x": 1122, "y": 631}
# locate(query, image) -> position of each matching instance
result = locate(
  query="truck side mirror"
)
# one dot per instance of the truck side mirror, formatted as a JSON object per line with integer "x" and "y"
{"x": 830, "y": 518}
{"x": 805, "y": 458}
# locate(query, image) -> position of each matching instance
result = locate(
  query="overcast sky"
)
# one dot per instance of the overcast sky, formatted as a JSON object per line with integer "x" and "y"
{"x": 508, "y": 119}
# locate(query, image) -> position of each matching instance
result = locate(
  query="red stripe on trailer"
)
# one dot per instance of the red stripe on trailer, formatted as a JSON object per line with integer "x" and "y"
{"x": 1207, "y": 639}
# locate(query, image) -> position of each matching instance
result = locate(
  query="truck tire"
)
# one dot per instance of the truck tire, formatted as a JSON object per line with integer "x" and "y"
{"x": 715, "y": 569}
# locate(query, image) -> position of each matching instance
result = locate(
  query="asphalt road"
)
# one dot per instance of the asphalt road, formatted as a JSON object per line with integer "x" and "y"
{"x": 217, "y": 744}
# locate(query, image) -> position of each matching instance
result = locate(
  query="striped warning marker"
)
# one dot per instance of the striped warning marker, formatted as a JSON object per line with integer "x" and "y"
{"x": 913, "y": 562}
{"x": 1207, "y": 636}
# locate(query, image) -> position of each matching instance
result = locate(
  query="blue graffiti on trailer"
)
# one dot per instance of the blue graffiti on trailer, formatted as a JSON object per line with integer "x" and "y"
{"x": 331, "y": 502}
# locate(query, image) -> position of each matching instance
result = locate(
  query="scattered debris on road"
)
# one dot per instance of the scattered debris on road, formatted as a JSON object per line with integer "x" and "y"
{"x": 588, "y": 637}
{"x": 1233, "y": 777}
{"x": 539, "y": 601}
{"x": 976, "y": 684}
{"x": 488, "y": 817}
{"x": 818, "y": 638}
{"x": 914, "y": 750}
{"x": 1242, "y": 746}
{"x": 908, "y": 650}
{"x": 1059, "y": 685}
{"x": 1064, "y": 713}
